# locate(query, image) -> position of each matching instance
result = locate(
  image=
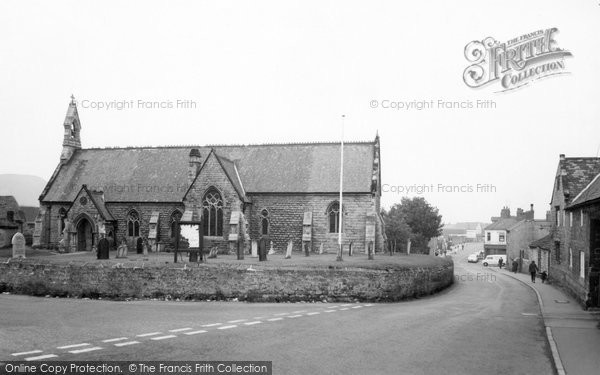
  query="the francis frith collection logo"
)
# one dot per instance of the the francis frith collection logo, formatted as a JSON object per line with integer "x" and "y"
{"x": 515, "y": 63}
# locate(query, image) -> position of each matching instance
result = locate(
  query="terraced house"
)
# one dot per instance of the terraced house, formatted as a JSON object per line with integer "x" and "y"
{"x": 242, "y": 192}
{"x": 574, "y": 242}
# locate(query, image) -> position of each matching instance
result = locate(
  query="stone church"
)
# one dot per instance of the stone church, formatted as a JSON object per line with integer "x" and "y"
{"x": 281, "y": 192}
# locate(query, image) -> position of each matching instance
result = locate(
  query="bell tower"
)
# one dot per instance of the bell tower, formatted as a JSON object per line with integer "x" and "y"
{"x": 72, "y": 136}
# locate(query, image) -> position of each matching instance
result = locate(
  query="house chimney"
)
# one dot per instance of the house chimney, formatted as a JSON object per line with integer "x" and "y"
{"x": 195, "y": 164}
{"x": 505, "y": 213}
{"x": 562, "y": 156}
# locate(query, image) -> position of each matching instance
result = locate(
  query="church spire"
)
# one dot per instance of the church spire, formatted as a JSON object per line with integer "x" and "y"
{"x": 72, "y": 130}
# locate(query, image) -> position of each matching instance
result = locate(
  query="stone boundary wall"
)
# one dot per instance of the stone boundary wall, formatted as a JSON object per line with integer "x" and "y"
{"x": 222, "y": 282}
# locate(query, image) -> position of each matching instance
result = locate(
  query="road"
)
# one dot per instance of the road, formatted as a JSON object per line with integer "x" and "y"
{"x": 486, "y": 323}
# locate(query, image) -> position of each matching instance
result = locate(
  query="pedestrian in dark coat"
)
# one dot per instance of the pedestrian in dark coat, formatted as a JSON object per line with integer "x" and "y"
{"x": 500, "y": 262}
{"x": 533, "y": 268}
{"x": 515, "y": 265}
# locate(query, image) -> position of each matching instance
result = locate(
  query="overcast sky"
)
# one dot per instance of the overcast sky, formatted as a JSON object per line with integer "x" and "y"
{"x": 278, "y": 71}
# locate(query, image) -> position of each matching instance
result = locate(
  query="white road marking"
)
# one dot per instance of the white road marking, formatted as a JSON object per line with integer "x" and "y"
{"x": 295, "y": 316}
{"x": 529, "y": 314}
{"x": 195, "y": 332}
{"x": 237, "y": 321}
{"x": 330, "y": 310}
{"x": 313, "y": 313}
{"x": 149, "y": 334}
{"x": 280, "y": 314}
{"x": 85, "y": 350}
{"x": 274, "y": 319}
{"x": 298, "y": 312}
{"x": 227, "y": 327}
{"x": 356, "y": 307}
{"x": 72, "y": 346}
{"x": 212, "y": 325}
{"x": 38, "y": 358}
{"x": 117, "y": 339}
{"x": 127, "y": 343}
{"x": 252, "y": 323}
{"x": 163, "y": 337}
{"x": 179, "y": 329}
{"x": 369, "y": 305}
{"x": 25, "y": 353}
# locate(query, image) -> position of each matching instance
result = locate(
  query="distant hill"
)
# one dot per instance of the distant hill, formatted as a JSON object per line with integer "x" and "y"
{"x": 25, "y": 188}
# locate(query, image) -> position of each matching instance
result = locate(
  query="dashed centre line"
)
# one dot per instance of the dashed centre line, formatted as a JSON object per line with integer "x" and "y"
{"x": 127, "y": 343}
{"x": 227, "y": 327}
{"x": 180, "y": 329}
{"x": 39, "y": 358}
{"x": 85, "y": 350}
{"x": 274, "y": 319}
{"x": 27, "y": 353}
{"x": 212, "y": 325}
{"x": 328, "y": 311}
{"x": 295, "y": 316}
{"x": 117, "y": 339}
{"x": 313, "y": 313}
{"x": 252, "y": 323}
{"x": 195, "y": 332}
{"x": 149, "y": 334}
{"x": 281, "y": 314}
{"x": 237, "y": 321}
{"x": 298, "y": 312}
{"x": 356, "y": 307}
{"x": 163, "y": 337}
{"x": 72, "y": 346}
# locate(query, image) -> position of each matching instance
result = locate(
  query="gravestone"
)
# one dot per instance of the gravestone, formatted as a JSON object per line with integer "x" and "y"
{"x": 103, "y": 248}
{"x": 139, "y": 245}
{"x": 213, "y": 253}
{"x": 271, "y": 250}
{"x": 350, "y": 249}
{"x": 370, "y": 250}
{"x": 306, "y": 248}
{"x": 254, "y": 249}
{"x": 321, "y": 248}
{"x": 288, "y": 252}
{"x": 262, "y": 250}
{"x": 122, "y": 250}
{"x": 18, "y": 245}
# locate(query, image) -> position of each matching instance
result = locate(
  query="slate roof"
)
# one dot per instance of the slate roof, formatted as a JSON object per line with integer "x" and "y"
{"x": 159, "y": 174}
{"x": 578, "y": 173}
{"x": 589, "y": 194}
{"x": 502, "y": 224}
{"x": 545, "y": 243}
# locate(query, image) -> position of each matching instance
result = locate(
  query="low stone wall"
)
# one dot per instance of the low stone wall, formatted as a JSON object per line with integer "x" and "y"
{"x": 224, "y": 281}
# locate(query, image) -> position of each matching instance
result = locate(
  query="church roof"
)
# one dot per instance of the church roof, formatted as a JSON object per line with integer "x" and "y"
{"x": 160, "y": 174}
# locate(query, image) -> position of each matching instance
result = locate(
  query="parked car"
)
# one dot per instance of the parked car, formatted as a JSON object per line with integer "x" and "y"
{"x": 473, "y": 258}
{"x": 492, "y": 260}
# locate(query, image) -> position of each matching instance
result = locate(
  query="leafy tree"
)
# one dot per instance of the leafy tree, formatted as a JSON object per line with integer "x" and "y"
{"x": 414, "y": 219}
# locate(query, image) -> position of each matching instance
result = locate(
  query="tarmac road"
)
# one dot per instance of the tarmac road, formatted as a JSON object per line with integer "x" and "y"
{"x": 483, "y": 324}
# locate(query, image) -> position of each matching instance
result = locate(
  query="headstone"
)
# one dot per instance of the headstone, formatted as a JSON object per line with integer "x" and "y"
{"x": 271, "y": 250}
{"x": 350, "y": 249}
{"x": 122, "y": 250}
{"x": 18, "y": 245}
{"x": 213, "y": 252}
{"x": 145, "y": 247}
{"x": 139, "y": 245}
{"x": 321, "y": 248}
{"x": 288, "y": 252}
{"x": 103, "y": 248}
{"x": 254, "y": 249}
{"x": 306, "y": 248}
{"x": 408, "y": 246}
{"x": 262, "y": 250}
{"x": 370, "y": 250}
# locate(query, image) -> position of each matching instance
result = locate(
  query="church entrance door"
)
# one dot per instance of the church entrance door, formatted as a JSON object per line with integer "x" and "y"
{"x": 84, "y": 235}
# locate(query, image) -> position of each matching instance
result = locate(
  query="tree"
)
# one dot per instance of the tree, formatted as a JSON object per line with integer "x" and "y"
{"x": 414, "y": 219}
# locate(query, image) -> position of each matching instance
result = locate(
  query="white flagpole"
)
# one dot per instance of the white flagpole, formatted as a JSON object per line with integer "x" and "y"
{"x": 341, "y": 212}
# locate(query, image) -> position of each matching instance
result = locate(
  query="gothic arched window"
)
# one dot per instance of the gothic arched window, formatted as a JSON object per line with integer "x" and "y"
{"x": 133, "y": 224}
{"x": 212, "y": 213}
{"x": 175, "y": 217}
{"x": 333, "y": 216}
{"x": 264, "y": 222}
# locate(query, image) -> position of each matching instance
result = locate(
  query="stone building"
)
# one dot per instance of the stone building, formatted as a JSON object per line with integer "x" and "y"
{"x": 575, "y": 234}
{"x": 11, "y": 219}
{"x": 278, "y": 191}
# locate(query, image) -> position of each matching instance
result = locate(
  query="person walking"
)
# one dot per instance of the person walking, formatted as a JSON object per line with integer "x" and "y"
{"x": 515, "y": 265}
{"x": 533, "y": 268}
{"x": 500, "y": 262}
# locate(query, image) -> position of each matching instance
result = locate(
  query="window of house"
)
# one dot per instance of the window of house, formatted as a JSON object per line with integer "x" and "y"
{"x": 581, "y": 218}
{"x": 489, "y": 236}
{"x": 333, "y": 214}
{"x": 212, "y": 213}
{"x": 10, "y": 216}
{"x": 501, "y": 237}
{"x": 570, "y": 219}
{"x": 570, "y": 258}
{"x": 557, "y": 208}
{"x": 175, "y": 217}
{"x": 264, "y": 222}
{"x": 133, "y": 224}
{"x": 557, "y": 252}
{"x": 582, "y": 264}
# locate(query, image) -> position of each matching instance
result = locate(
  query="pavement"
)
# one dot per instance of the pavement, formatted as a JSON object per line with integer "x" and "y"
{"x": 572, "y": 332}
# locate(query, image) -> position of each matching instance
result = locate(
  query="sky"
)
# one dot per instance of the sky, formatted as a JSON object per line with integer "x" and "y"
{"x": 233, "y": 72}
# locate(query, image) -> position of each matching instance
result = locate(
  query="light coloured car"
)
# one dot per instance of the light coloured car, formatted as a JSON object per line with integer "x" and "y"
{"x": 492, "y": 260}
{"x": 473, "y": 258}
